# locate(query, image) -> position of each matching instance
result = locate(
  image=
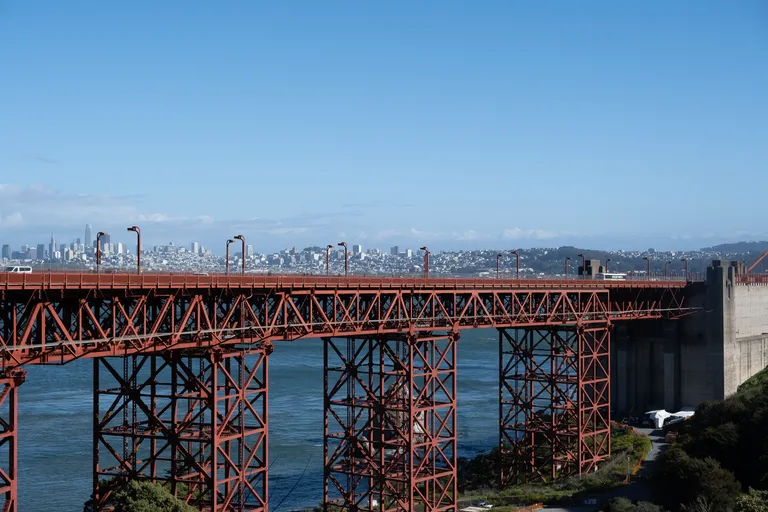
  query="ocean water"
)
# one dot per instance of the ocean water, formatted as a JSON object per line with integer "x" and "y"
{"x": 56, "y": 417}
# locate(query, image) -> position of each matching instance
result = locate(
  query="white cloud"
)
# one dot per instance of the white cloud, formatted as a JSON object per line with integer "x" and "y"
{"x": 9, "y": 220}
{"x": 532, "y": 234}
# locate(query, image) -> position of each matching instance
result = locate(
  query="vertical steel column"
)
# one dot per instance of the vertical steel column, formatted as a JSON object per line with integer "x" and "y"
{"x": 9, "y": 416}
{"x": 200, "y": 427}
{"x": 390, "y": 423}
{"x": 554, "y": 402}
{"x": 538, "y": 381}
{"x": 594, "y": 396}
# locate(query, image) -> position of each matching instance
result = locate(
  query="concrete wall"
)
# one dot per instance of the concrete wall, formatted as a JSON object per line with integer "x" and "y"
{"x": 672, "y": 364}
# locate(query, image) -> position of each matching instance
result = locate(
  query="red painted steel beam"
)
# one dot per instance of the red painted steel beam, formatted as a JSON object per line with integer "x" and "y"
{"x": 57, "y": 326}
{"x": 554, "y": 402}
{"x": 83, "y": 281}
{"x": 9, "y": 413}
{"x": 390, "y": 423}
{"x": 195, "y": 420}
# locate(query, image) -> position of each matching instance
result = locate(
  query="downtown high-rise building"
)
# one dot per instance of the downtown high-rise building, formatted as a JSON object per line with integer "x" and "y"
{"x": 51, "y": 248}
{"x": 88, "y": 236}
{"x": 6, "y": 254}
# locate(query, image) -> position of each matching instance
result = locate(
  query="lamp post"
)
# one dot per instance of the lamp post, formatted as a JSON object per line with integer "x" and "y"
{"x": 98, "y": 248}
{"x": 346, "y": 257}
{"x": 226, "y": 257}
{"x": 328, "y": 259}
{"x": 646, "y": 258}
{"x": 498, "y": 259}
{"x": 666, "y": 268}
{"x": 566, "y": 266}
{"x": 517, "y": 264}
{"x": 583, "y": 264}
{"x": 242, "y": 239}
{"x": 426, "y": 261}
{"x": 138, "y": 247}
{"x": 685, "y": 260}
{"x": 607, "y": 260}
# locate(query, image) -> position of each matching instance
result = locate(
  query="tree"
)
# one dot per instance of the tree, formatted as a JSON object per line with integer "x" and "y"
{"x": 136, "y": 496}
{"x": 682, "y": 479}
{"x": 753, "y": 501}
{"x": 624, "y": 505}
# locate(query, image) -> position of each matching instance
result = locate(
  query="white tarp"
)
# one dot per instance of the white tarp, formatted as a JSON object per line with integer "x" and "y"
{"x": 657, "y": 417}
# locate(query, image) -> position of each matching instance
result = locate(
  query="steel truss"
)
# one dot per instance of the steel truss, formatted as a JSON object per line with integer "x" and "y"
{"x": 554, "y": 402}
{"x": 56, "y": 326}
{"x": 9, "y": 414}
{"x": 390, "y": 423}
{"x": 193, "y": 420}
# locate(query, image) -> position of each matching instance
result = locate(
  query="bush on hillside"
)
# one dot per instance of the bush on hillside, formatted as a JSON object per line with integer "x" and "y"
{"x": 624, "y": 505}
{"x": 682, "y": 479}
{"x": 136, "y": 496}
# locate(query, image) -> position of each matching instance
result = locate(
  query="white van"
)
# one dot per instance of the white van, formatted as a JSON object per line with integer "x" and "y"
{"x": 18, "y": 269}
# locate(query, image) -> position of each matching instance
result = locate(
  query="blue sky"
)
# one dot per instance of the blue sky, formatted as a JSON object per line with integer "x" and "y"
{"x": 453, "y": 124}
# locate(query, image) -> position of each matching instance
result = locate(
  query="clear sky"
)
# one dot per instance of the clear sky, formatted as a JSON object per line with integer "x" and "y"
{"x": 452, "y": 124}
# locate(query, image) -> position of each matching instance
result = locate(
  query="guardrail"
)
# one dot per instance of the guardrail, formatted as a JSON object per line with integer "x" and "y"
{"x": 168, "y": 281}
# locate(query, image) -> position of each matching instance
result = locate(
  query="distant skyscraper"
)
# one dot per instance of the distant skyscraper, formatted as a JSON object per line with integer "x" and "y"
{"x": 249, "y": 250}
{"x": 6, "y": 254}
{"x": 394, "y": 251}
{"x": 357, "y": 249}
{"x": 195, "y": 248}
{"x": 52, "y": 247}
{"x": 88, "y": 237}
{"x": 41, "y": 251}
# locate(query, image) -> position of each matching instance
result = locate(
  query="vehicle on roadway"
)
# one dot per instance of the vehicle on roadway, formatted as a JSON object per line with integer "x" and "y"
{"x": 610, "y": 276}
{"x": 17, "y": 269}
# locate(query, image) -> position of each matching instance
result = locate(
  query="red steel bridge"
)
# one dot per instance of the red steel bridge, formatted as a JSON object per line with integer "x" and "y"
{"x": 180, "y": 376}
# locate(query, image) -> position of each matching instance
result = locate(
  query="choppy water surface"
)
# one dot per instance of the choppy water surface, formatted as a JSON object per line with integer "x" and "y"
{"x": 56, "y": 416}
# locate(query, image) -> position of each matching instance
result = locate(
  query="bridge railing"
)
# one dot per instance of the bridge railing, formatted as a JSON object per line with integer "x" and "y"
{"x": 54, "y": 280}
{"x": 752, "y": 279}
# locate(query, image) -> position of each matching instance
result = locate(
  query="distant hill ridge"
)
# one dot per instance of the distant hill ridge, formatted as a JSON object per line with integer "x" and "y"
{"x": 739, "y": 247}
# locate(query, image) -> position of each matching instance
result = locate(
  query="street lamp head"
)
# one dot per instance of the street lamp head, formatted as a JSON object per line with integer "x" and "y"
{"x": 101, "y": 233}
{"x": 239, "y": 237}
{"x": 329, "y": 246}
{"x": 342, "y": 244}
{"x": 133, "y": 228}
{"x": 498, "y": 255}
{"x": 515, "y": 253}
{"x": 424, "y": 249}
{"x": 230, "y": 241}
{"x": 580, "y": 255}
{"x": 568, "y": 258}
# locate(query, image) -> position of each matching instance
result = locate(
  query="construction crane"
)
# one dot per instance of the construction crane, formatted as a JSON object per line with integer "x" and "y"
{"x": 758, "y": 261}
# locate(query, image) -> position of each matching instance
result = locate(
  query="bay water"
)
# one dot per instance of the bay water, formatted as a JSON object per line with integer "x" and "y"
{"x": 56, "y": 417}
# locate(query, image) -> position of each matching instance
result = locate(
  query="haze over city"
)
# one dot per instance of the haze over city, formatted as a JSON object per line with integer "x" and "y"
{"x": 499, "y": 125}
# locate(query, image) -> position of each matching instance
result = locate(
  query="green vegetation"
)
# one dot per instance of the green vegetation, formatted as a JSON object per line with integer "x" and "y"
{"x": 755, "y": 381}
{"x": 478, "y": 477}
{"x": 139, "y": 496}
{"x": 720, "y": 452}
{"x": 624, "y": 505}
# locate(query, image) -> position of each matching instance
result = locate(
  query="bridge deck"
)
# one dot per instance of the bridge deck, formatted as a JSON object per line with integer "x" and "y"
{"x": 80, "y": 281}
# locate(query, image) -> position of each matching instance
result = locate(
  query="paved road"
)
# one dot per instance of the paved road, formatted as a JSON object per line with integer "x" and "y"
{"x": 638, "y": 489}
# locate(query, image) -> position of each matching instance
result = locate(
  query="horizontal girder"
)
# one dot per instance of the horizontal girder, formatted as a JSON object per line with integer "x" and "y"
{"x": 57, "y": 326}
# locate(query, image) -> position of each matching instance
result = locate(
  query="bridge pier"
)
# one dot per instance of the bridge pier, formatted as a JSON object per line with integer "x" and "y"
{"x": 554, "y": 392}
{"x": 9, "y": 414}
{"x": 390, "y": 423}
{"x": 195, "y": 421}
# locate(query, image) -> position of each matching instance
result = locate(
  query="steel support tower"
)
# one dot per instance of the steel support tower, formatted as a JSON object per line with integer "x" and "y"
{"x": 195, "y": 421}
{"x": 9, "y": 442}
{"x": 554, "y": 401}
{"x": 390, "y": 422}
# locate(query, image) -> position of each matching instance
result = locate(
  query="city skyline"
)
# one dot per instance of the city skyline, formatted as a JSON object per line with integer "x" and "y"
{"x": 126, "y": 243}
{"x": 507, "y": 124}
